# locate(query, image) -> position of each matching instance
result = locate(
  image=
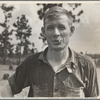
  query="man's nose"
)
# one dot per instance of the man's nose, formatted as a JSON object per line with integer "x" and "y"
{"x": 56, "y": 32}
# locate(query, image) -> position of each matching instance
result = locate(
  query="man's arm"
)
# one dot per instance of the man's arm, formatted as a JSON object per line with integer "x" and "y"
{"x": 92, "y": 89}
{"x": 6, "y": 91}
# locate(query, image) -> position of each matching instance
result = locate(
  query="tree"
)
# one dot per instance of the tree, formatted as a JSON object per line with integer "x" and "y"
{"x": 17, "y": 53}
{"x": 26, "y": 48}
{"x": 46, "y": 6}
{"x": 5, "y": 40}
{"x": 23, "y": 32}
{"x": 33, "y": 50}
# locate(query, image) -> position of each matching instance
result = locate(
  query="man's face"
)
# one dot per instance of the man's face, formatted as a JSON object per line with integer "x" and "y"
{"x": 57, "y": 32}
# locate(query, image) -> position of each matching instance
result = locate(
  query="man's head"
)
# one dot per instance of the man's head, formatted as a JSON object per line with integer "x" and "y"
{"x": 57, "y": 27}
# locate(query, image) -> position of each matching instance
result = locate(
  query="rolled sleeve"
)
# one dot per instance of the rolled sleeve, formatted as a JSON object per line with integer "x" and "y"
{"x": 19, "y": 80}
{"x": 13, "y": 85}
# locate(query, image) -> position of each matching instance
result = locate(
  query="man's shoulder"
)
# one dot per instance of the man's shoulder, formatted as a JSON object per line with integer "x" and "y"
{"x": 83, "y": 56}
{"x": 29, "y": 61}
{"x": 34, "y": 56}
{"x": 84, "y": 59}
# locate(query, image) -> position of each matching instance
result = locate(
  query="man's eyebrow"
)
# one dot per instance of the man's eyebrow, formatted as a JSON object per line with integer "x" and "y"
{"x": 50, "y": 25}
{"x": 61, "y": 25}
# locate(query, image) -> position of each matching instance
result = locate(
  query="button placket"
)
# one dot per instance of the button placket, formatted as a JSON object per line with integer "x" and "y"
{"x": 55, "y": 88}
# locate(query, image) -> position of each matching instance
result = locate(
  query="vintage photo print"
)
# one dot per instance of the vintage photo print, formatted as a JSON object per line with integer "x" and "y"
{"x": 49, "y": 49}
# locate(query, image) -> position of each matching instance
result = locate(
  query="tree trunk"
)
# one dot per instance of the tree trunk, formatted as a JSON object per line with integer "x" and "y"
{"x": 4, "y": 60}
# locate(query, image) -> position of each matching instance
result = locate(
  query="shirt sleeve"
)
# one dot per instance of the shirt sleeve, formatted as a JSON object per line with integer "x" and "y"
{"x": 92, "y": 89}
{"x": 19, "y": 80}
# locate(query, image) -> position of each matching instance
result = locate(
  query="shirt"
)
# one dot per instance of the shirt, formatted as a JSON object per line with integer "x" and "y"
{"x": 76, "y": 78}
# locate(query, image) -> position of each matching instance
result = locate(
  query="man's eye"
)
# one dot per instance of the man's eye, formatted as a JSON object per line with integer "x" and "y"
{"x": 61, "y": 27}
{"x": 50, "y": 28}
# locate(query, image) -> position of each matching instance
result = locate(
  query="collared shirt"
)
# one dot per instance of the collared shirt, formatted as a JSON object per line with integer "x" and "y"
{"x": 76, "y": 78}
{"x": 69, "y": 60}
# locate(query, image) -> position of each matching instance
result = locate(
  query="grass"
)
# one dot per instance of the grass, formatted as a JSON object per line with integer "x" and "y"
{"x": 5, "y": 69}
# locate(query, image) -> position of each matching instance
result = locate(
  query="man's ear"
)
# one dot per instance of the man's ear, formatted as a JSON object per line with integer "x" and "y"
{"x": 43, "y": 31}
{"x": 72, "y": 29}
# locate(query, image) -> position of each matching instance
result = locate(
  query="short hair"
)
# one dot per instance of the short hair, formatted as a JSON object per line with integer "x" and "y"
{"x": 55, "y": 11}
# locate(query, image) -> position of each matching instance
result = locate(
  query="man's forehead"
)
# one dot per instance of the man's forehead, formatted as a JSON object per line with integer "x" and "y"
{"x": 57, "y": 19}
{"x": 61, "y": 19}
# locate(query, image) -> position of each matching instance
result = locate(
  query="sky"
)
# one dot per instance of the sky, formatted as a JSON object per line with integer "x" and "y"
{"x": 86, "y": 37}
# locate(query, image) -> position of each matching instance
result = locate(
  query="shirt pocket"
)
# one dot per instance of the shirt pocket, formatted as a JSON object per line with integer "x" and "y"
{"x": 40, "y": 90}
{"x": 74, "y": 92}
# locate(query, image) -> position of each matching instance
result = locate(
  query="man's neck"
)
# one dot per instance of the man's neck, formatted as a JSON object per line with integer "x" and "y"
{"x": 57, "y": 58}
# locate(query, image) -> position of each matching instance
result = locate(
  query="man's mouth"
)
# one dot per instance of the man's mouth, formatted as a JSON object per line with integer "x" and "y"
{"x": 57, "y": 42}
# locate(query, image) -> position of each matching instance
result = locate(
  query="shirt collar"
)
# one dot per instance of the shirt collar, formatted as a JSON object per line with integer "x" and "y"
{"x": 71, "y": 57}
{"x": 42, "y": 56}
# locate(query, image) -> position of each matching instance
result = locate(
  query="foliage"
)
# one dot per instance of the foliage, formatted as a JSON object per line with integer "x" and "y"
{"x": 33, "y": 50}
{"x": 45, "y": 7}
{"x": 23, "y": 32}
{"x": 26, "y": 47}
{"x": 6, "y": 48}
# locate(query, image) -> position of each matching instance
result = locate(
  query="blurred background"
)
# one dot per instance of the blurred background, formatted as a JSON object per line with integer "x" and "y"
{"x": 20, "y": 33}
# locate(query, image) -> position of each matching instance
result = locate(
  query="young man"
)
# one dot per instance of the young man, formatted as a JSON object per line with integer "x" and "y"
{"x": 57, "y": 71}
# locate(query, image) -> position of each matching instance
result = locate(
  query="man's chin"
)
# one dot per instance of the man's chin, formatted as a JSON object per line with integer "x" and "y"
{"x": 58, "y": 48}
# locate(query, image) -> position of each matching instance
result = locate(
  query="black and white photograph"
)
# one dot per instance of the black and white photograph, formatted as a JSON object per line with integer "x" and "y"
{"x": 50, "y": 49}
